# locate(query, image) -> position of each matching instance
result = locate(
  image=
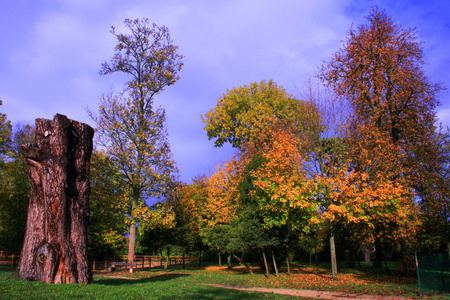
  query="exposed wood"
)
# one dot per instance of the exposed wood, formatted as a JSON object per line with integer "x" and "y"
{"x": 55, "y": 244}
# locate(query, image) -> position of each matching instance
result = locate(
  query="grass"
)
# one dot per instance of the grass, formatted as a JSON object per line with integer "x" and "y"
{"x": 188, "y": 284}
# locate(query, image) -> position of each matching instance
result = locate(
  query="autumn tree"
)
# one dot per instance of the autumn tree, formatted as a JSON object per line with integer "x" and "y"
{"x": 108, "y": 208}
{"x": 130, "y": 128}
{"x": 188, "y": 202}
{"x": 243, "y": 113}
{"x": 379, "y": 69}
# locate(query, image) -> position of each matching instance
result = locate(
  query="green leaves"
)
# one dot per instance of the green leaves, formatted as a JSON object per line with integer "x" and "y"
{"x": 242, "y": 114}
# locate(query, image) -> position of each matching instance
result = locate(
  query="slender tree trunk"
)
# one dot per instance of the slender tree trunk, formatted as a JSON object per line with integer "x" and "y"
{"x": 275, "y": 265}
{"x": 378, "y": 254}
{"x": 265, "y": 263}
{"x": 288, "y": 266}
{"x": 367, "y": 255}
{"x": 241, "y": 261}
{"x": 55, "y": 243}
{"x": 132, "y": 237}
{"x": 334, "y": 271}
{"x": 406, "y": 253}
{"x": 200, "y": 257}
{"x": 220, "y": 259}
{"x": 229, "y": 266}
{"x": 448, "y": 249}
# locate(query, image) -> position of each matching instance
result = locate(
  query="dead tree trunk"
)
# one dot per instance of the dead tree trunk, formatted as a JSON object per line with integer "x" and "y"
{"x": 55, "y": 244}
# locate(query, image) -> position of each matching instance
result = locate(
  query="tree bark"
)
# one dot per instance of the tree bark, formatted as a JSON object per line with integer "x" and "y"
{"x": 265, "y": 263}
{"x": 333, "y": 256}
{"x": 55, "y": 243}
{"x": 275, "y": 265}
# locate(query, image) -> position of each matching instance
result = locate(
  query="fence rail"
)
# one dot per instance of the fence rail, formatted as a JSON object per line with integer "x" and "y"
{"x": 144, "y": 261}
{"x": 8, "y": 260}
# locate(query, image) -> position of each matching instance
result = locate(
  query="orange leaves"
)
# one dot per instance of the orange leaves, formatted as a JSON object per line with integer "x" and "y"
{"x": 223, "y": 193}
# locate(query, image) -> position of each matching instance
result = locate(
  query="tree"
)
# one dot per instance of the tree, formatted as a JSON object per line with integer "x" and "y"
{"x": 244, "y": 113}
{"x": 5, "y": 135}
{"x": 379, "y": 70}
{"x": 55, "y": 245}
{"x": 130, "y": 129}
{"x": 15, "y": 192}
{"x": 107, "y": 208}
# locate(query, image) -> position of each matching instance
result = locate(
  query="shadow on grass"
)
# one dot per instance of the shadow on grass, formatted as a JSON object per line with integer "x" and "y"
{"x": 131, "y": 281}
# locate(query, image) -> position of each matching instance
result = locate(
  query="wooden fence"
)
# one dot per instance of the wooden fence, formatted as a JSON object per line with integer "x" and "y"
{"x": 8, "y": 260}
{"x": 142, "y": 261}
{"x": 145, "y": 261}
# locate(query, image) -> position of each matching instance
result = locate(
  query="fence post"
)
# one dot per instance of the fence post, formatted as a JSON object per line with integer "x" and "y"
{"x": 418, "y": 273}
{"x": 12, "y": 260}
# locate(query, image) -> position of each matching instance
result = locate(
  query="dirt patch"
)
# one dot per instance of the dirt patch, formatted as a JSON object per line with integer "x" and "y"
{"x": 308, "y": 293}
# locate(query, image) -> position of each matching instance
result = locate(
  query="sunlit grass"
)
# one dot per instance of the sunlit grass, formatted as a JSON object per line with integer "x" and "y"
{"x": 177, "y": 283}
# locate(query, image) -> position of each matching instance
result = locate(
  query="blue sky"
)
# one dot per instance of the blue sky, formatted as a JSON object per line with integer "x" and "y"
{"x": 51, "y": 52}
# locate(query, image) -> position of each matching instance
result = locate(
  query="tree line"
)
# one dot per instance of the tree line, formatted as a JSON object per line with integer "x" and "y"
{"x": 358, "y": 158}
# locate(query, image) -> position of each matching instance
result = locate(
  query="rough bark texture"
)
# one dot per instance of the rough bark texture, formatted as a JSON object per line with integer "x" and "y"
{"x": 55, "y": 244}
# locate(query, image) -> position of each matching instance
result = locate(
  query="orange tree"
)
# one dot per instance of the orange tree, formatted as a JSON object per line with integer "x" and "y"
{"x": 379, "y": 70}
{"x": 129, "y": 128}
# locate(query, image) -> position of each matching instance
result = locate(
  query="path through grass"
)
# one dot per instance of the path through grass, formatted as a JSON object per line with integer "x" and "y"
{"x": 189, "y": 284}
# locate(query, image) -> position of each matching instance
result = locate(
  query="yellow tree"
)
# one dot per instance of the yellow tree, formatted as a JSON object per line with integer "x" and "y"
{"x": 129, "y": 128}
{"x": 244, "y": 113}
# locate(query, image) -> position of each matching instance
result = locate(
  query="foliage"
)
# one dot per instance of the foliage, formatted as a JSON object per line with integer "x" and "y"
{"x": 284, "y": 192}
{"x": 5, "y": 135}
{"x": 242, "y": 114}
{"x": 379, "y": 69}
{"x": 148, "y": 56}
{"x": 187, "y": 202}
{"x": 15, "y": 191}
{"x": 107, "y": 228}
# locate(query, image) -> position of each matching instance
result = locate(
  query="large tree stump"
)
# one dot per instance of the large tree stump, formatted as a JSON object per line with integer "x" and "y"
{"x": 55, "y": 244}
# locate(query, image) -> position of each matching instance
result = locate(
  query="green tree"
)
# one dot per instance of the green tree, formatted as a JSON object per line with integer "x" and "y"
{"x": 129, "y": 128}
{"x": 5, "y": 135}
{"x": 15, "y": 191}
{"x": 107, "y": 204}
{"x": 242, "y": 114}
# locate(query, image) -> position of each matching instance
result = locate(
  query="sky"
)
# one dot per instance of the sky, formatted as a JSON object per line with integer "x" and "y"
{"x": 51, "y": 52}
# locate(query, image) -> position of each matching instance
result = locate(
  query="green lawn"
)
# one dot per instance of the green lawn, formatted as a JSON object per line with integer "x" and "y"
{"x": 188, "y": 284}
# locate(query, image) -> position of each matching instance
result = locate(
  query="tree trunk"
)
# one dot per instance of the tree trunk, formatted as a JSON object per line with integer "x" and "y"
{"x": 367, "y": 254}
{"x": 241, "y": 261}
{"x": 55, "y": 243}
{"x": 265, "y": 263}
{"x": 275, "y": 265}
{"x": 220, "y": 259}
{"x": 333, "y": 256}
{"x": 448, "y": 249}
{"x": 132, "y": 237}
{"x": 288, "y": 266}
{"x": 378, "y": 253}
